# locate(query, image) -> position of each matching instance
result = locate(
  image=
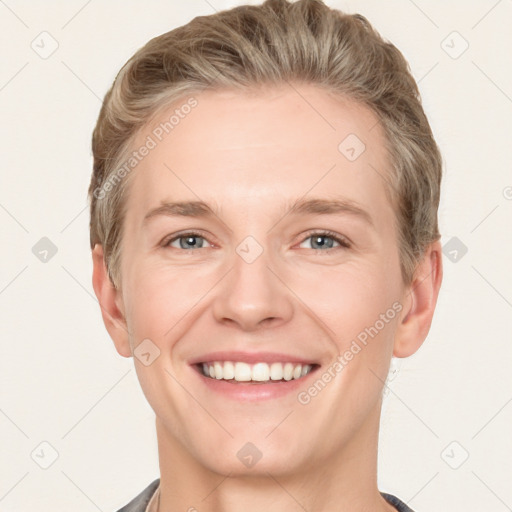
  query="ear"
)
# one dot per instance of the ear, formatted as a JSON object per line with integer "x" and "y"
{"x": 421, "y": 298}
{"x": 111, "y": 303}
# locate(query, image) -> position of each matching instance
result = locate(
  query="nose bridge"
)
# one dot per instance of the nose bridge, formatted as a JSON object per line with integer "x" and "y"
{"x": 251, "y": 292}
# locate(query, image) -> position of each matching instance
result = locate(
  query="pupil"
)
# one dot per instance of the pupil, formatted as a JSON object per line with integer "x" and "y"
{"x": 318, "y": 241}
{"x": 191, "y": 241}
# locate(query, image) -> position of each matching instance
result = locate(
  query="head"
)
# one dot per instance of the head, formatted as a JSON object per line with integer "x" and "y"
{"x": 255, "y": 111}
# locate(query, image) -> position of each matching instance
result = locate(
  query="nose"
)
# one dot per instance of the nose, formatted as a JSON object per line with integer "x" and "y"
{"x": 253, "y": 295}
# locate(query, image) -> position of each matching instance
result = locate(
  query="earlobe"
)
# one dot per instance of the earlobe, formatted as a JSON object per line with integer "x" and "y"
{"x": 421, "y": 297}
{"x": 110, "y": 301}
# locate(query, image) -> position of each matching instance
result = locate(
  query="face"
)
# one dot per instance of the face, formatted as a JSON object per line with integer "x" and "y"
{"x": 292, "y": 258}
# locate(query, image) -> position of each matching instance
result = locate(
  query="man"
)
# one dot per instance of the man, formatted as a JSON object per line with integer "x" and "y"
{"x": 264, "y": 233}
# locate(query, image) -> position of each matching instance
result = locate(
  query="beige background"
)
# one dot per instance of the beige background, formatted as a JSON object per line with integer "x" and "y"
{"x": 61, "y": 381}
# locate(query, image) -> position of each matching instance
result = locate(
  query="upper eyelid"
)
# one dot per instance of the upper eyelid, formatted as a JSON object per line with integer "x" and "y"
{"x": 171, "y": 238}
{"x": 341, "y": 239}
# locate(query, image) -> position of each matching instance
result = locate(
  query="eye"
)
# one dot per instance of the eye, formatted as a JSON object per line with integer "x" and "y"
{"x": 319, "y": 240}
{"x": 186, "y": 241}
{"x": 325, "y": 239}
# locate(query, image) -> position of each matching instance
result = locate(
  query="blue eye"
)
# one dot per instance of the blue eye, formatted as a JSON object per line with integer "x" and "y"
{"x": 325, "y": 239}
{"x": 320, "y": 240}
{"x": 186, "y": 241}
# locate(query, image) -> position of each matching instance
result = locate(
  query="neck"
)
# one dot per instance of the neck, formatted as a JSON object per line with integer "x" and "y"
{"x": 346, "y": 482}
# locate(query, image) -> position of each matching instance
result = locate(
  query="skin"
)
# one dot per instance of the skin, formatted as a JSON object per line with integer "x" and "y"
{"x": 250, "y": 155}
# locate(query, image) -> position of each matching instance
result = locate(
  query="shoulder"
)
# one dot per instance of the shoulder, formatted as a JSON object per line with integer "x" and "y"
{"x": 398, "y": 504}
{"x": 140, "y": 502}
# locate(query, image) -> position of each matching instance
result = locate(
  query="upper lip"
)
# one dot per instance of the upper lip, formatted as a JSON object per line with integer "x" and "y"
{"x": 250, "y": 357}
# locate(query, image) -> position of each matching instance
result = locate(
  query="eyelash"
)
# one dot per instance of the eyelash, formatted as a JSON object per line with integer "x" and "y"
{"x": 342, "y": 241}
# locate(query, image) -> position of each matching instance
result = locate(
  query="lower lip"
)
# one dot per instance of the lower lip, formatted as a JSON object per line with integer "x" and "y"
{"x": 254, "y": 391}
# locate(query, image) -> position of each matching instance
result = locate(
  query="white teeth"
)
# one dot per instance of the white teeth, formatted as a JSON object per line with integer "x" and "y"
{"x": 228, "y": 372}
{"x": 288, "y": 371}
{"x": 259, "y": 372}
{"x": 242, "y": 372}
{"x": 276, "y": 371}
{"x": 218, "y": 370}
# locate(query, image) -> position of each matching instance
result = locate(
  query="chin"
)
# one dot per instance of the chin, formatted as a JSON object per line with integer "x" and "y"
{"x": 242, "y": 457}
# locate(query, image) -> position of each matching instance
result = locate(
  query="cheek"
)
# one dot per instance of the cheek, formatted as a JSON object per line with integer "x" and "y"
{"x": 344, "y": 299}
{"x": 348, "y": 298}
{"x": 162, "y": 300}
{"x": 357, "y": 305}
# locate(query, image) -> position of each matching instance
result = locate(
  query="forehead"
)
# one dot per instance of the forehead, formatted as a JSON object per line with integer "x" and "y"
{"x": 252, "y": 148}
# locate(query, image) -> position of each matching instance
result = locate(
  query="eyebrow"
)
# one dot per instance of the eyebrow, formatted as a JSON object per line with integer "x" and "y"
{"x": 298, "y": 207}
{"x": 181, "y": 209}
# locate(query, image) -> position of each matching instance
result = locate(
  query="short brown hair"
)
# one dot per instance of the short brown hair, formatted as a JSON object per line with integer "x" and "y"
{"x": 271, "y": 44}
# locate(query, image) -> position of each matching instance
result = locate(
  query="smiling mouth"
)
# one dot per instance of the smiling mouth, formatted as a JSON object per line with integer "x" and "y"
{"x": 258, "y": 373}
